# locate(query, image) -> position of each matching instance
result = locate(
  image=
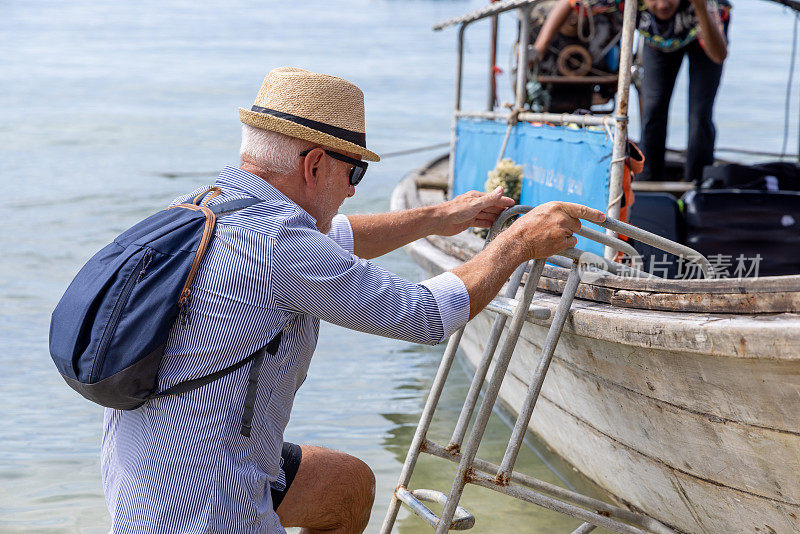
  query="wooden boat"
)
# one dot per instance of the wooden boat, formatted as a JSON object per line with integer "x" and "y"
{"x": 679, "y": 397}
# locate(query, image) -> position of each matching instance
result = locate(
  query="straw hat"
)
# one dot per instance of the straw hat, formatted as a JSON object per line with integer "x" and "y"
{"x": 316, "y": 107}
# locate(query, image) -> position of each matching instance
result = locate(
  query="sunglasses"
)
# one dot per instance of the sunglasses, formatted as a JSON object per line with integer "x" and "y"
{"x": 356, "y": 173}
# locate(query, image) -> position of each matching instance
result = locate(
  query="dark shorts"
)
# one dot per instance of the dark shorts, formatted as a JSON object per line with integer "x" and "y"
{"x": 290, "y": 461}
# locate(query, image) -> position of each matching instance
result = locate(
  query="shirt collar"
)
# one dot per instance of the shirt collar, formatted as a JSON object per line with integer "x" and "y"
{"x": 255, "y": 186}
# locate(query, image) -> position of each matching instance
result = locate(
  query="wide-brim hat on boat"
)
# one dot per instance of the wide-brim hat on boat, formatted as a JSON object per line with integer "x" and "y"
{"x": 315, "y": 107}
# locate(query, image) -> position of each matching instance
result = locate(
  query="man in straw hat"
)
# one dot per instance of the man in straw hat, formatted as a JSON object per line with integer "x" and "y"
{"x": 184, "y": 463}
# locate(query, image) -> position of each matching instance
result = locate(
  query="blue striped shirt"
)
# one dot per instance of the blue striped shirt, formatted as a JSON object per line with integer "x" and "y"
{"x": 179, "y": 463}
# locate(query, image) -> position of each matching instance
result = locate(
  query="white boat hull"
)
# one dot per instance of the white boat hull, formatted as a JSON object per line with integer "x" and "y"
{"x": 692, "y": 418}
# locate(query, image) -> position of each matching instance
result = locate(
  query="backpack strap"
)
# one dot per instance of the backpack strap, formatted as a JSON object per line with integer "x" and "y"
{"x": 214, "y": 192}
{"x": 256, "y": 357}
{"x": 208, "y": 231}
{"x": 223, "y": 208}
{"x": 252, "y": 383}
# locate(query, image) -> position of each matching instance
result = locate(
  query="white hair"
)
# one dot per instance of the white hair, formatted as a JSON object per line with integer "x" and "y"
{"x": 272, "y": 151}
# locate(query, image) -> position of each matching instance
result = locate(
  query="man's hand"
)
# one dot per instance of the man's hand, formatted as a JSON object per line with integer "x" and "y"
{"x": 542, "y": 232}
{"x": 547, "y": 229}
{"x": 471, "y": 209}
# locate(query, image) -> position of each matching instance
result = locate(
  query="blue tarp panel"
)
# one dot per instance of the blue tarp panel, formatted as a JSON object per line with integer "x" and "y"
{"x": 557, "y": 163}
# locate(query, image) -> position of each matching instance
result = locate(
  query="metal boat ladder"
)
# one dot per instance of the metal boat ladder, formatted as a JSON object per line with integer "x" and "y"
{"x": 502, "y": 478}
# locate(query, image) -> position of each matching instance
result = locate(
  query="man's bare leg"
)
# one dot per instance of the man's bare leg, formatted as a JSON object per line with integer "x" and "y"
{"x": 332, "y": 492}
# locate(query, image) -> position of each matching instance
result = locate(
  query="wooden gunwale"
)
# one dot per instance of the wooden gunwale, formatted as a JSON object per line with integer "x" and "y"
{"x": 772, "y": 294}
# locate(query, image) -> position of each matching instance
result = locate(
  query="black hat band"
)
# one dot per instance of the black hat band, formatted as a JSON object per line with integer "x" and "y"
{"x": 356, "y": 138}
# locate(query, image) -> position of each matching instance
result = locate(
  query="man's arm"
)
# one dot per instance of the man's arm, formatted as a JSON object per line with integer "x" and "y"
{"x": 543, "y": 231}
{"x": 317, "y": 276}
{"x": 555, "y": 19}
{"x": 710, "y": 32}
{"x": 375, "y": 235}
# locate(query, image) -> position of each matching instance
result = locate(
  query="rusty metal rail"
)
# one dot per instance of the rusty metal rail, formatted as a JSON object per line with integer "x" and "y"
{"x": 503, "y": 478}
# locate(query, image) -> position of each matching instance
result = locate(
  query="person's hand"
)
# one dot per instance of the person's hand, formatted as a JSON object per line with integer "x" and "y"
{"x": 547, "y": 229}
{"x": 698, "y": 5}
{"x": 471, "y": 209}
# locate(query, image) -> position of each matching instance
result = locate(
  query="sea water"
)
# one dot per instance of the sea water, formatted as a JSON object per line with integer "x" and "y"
{"x": 108, "y": 110}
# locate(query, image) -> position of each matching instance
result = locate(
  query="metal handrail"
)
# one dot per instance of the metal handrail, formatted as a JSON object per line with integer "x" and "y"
{"x": 589, "y": 260}
{"x": 661, "y": 243}
{"x": 590, "y": 511}
{"x": 615, "y": 243}
{"x": 634, "y": 232}
{"x": 506, "y": 481}
{"x": 531, "y": 116}
{"x": 484, "y": 12}
{"x": 501, "y": 7}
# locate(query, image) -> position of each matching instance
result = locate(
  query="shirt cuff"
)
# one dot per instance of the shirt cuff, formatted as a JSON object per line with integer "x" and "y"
{"x": 452, "y": 299}
{"x": 342, "y": 232}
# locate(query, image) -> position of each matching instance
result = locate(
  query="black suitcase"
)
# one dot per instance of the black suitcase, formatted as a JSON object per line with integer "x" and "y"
{"x": 658, "y": 213}
{"x": 745, "y": 233}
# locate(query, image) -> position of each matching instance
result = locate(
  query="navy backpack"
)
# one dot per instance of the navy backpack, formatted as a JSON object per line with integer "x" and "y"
{"x": 109, "y": 330}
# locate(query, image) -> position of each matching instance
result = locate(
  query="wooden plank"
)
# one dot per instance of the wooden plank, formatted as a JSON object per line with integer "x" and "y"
{"x": 749, "y": 302}
{"x": 766, "y": 337}
{"x": 775, "y": 336}
{"x": 670, "y": 495}
{"x": 727, "y": 377}
{"x": 746, "y": 457}
{"x": 722, "y": 298}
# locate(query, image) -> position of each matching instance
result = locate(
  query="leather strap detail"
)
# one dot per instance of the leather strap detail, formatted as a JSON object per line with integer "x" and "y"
{"x": 214, "y": 192}
{"x": 258, "y": 356}
{"x": 208, "y": 231}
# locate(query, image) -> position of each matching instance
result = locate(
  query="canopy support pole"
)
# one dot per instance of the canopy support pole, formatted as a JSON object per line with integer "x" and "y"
{"x": 618, "y": 153}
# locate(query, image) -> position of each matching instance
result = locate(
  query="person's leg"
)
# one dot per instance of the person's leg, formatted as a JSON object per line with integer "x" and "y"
{"x": 332, "y": 492}
{"x": 658, "y": 81}
{"x": 704, "y": 77}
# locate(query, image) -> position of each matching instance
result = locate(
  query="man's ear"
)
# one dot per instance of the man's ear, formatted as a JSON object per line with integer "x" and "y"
{"x": 312, "y": 167}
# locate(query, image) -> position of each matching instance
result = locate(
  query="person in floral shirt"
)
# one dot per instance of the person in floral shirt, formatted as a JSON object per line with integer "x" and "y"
{"x": 671, "y": 29}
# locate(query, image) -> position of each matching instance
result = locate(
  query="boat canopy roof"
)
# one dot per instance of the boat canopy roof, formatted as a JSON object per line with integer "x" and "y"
{"x": 507, "y": 5}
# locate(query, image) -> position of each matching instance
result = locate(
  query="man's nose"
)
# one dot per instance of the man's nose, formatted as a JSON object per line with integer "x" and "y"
{"x": 351, "y": 191}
